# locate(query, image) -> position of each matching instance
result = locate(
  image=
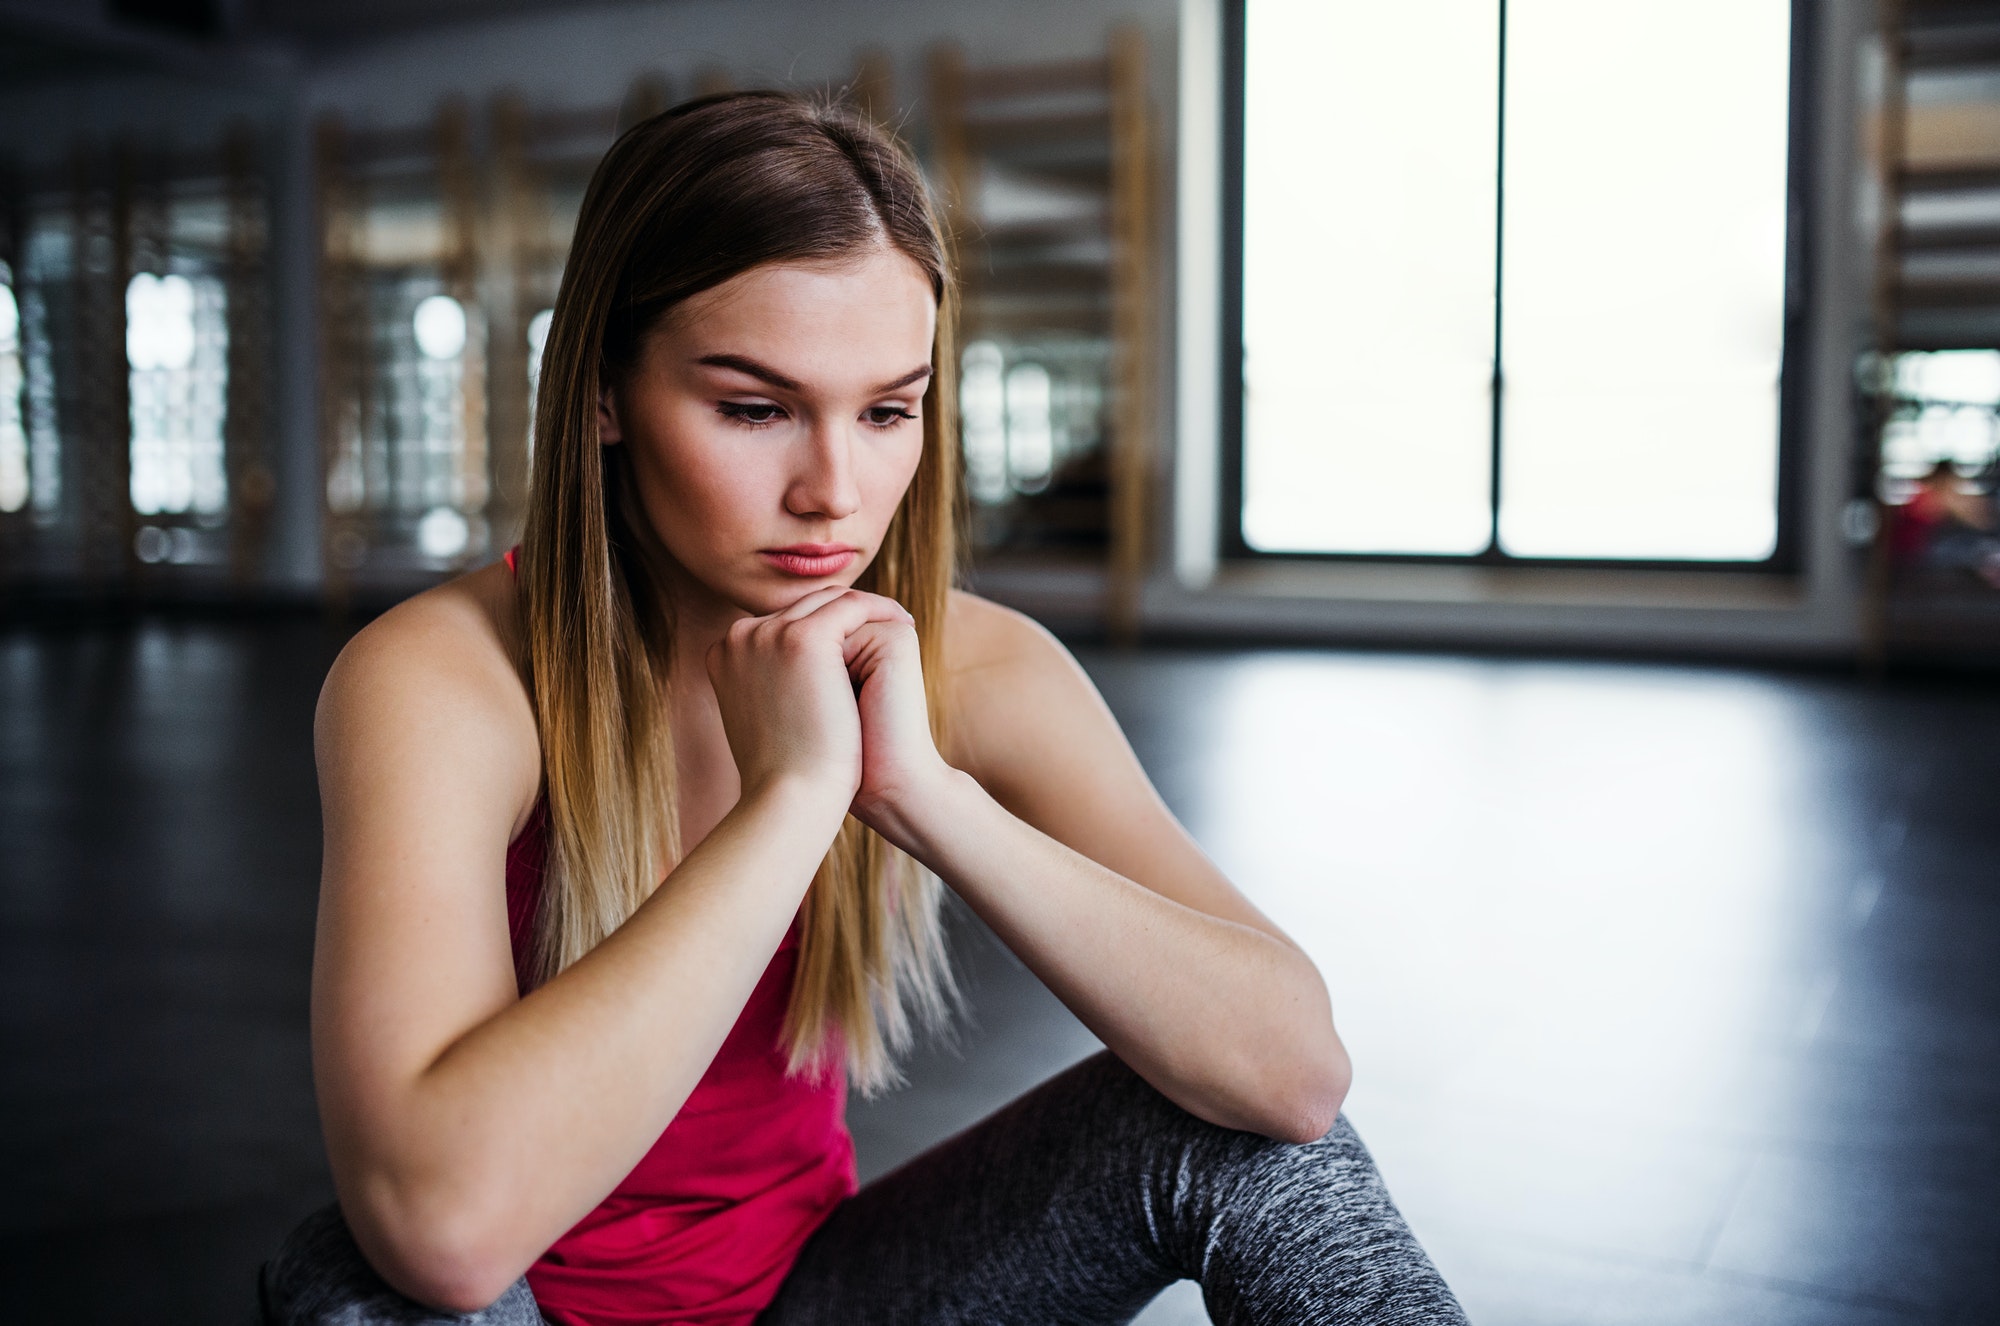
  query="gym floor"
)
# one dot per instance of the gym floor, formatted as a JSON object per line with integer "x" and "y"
{"x": 1671, "y": 990}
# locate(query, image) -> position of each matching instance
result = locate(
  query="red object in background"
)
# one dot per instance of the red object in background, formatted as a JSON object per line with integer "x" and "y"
{"x": 1914, "y": 523}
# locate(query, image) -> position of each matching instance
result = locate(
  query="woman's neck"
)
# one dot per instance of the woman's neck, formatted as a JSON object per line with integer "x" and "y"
{"x": 706, "y": 770}
{"x": 700, "y": 618}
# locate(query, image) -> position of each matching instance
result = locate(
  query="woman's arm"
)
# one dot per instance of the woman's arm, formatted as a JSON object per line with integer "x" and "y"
{"x": 468, "y": 1128}
{"x": 1056, "y": 838}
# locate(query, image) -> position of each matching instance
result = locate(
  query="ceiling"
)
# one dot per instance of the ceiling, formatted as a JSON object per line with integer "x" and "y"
{"x": 214, "y": 40}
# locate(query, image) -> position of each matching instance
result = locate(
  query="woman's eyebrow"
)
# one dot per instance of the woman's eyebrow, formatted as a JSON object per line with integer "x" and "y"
{"x": 917, "y": 374}
{"x": 751, "y": 368}
{"x": 765, "y": 373}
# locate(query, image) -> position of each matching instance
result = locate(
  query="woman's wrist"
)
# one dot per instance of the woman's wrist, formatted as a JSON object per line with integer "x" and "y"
{"x": 920, "y": 814}
{"x": 797, "y": 798}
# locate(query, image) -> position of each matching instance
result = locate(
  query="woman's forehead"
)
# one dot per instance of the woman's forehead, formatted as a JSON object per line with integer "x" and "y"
{"x": 871, "y": 316}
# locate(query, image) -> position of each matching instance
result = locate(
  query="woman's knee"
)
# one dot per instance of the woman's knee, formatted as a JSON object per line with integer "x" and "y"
{"x": 1202, "y": 1166}
{"x": 1123, "y": 1100}
{"x": 321, "y": 1278}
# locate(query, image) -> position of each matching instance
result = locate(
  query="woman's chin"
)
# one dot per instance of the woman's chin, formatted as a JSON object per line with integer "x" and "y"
{"x": 763, "y": 600}
{"x": 762, "y": 590}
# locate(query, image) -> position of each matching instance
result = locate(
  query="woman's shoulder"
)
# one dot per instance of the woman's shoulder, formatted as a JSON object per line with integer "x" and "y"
{"x": 444, "y": 662}
{"x": 1012, "y": 682}
{"x": 982, "y": 636}
{"x": 465, "y": 629}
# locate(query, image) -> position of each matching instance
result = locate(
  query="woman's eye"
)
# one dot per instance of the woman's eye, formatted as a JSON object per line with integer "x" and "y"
{"x": 888, "y": 416}
{"x": 750, "y": 412}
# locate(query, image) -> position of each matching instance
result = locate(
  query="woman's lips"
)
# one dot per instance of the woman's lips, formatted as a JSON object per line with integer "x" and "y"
{"x": 811, "y": 561}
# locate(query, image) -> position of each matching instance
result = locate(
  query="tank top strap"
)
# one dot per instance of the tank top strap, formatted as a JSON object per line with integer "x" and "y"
{"x": 511, "y": 557}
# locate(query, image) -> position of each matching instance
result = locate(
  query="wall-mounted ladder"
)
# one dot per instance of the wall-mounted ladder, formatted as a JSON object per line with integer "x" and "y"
{"x": 1934, "y": 172}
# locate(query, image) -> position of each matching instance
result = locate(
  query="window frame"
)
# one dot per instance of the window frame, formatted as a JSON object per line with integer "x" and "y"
{"x": 1802, "y": 133}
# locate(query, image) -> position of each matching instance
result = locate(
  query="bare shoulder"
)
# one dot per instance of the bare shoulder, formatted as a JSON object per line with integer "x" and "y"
{"x": 981, "y": 635}
{"x": 459, "y": 635}
{"x": 1014, "y": 688}
{"x": 984, "y": 641}
{"x": 439, "y": 670}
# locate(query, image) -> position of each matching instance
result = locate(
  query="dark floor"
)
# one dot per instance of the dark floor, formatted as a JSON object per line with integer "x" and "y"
{"x": 1672, "y": 991}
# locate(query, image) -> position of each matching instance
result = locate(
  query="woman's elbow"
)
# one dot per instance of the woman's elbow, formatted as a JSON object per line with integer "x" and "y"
{"x": 456, "y": 1283}
{"x": 1310, "y": 1104}
{"x": 440, "y": 1253}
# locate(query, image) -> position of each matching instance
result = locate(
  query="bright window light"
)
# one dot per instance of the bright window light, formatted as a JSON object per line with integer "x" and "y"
{"x": 1370, "y": 145}
{"x": 1640, "y": 267}
{"x": 442, "y": 533}
{"x": 1947, "y": 410}
{"x": 1643, "y": 279}
{"x": 13, "y": 428}
{"x": 46, "y": 263}
{"x": 1949, "y": 377}
{"x": 439, "y": 326}
{"x": 982, "y": 401}
{"x": 177, "y": 351}
{"x": 538, "y": 339}
{"x": 1030, "y": 428}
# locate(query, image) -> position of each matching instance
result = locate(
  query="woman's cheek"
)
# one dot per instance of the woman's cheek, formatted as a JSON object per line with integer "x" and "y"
{"x": 900, "y": 471}
{"x": 713, "y": 474}
{"x": 694, "y": 498}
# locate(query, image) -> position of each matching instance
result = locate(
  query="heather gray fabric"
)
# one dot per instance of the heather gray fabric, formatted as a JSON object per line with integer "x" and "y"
{"x": 320, "y": 1278}
{"x": 1073, "y": 1206}
{"x": 1086, "y": 1197}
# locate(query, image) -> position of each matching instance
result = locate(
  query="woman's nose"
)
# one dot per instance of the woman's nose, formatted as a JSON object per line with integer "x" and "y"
{"x": 824, "y": 484}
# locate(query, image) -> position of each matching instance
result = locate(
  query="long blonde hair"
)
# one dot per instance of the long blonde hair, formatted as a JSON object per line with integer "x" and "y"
{"x": 683, "y": 202}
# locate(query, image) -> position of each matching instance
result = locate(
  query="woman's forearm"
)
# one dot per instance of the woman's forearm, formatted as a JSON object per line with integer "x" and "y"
{"x": 1231, "y": 1023}
{"x": 522, "y": 1125}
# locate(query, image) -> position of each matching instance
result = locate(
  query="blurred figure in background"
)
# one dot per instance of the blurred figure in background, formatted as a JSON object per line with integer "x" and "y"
{"x": 1946, "y": 525}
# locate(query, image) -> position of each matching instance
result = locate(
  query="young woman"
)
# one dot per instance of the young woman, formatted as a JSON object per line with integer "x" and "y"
{"x": 632, "y": 847}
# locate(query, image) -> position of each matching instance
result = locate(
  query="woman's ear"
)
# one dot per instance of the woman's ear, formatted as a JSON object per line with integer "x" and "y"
{"x": 608, "y": 431}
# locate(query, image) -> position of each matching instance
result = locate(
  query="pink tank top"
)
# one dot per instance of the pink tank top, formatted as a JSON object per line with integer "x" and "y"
{"x": 707, "y": 1224}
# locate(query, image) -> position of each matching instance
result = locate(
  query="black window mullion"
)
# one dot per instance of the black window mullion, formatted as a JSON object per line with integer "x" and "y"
{"x": 1493, "y": 552}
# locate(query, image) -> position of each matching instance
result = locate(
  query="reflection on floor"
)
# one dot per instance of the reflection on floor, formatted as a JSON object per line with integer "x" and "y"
{"x": 1670, "y": 990}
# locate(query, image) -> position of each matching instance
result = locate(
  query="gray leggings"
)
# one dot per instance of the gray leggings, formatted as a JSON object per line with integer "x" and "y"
{"x": 1075, "y": 1204}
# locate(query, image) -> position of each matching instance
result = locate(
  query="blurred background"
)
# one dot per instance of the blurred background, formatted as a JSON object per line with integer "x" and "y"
{"x": 1523, "y": 471}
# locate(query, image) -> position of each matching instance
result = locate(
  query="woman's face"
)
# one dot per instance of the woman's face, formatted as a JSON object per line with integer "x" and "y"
{"x": 773, "y": 423}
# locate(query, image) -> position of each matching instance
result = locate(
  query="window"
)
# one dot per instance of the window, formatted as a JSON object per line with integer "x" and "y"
{"x": 188, "y": 326}
{"x": 13, "y": 424}
{"x": 405, "y": 351}
{"x": 1027, "y": 410}
{"x": 33, "y": 454}
{"x": 417, "y": 459}
{"x": 176, "y": 350}
{"x": 1510, "y": 278}
{"x": 134, "y": 367}
{"x": 538, "y": 339}
{"x": 1946, "y": 412}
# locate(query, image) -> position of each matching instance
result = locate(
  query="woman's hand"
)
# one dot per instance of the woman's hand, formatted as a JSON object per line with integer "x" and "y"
{"x": 783, "y": 686}
{"x": 899, "y": 757}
